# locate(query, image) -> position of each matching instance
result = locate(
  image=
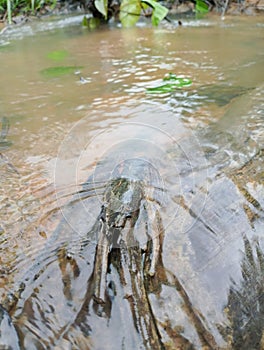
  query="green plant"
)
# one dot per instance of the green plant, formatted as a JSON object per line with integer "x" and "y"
{"x": 169, "y": 83}
{"x": 91, "y": 23}
{"x": 11, "y": 8}
{"x": 201, "y": 7}
{"x": 130, "y": 10}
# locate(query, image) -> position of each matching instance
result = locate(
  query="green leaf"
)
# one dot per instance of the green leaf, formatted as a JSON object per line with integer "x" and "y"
{"x": 94, "y": 23}
{"x": 201, "y": 7}
{"x": 129, "y": 12}
{"x": 54, "y": 72}
{"x": 58, "y": 55}
{"x": 161, "y": 89}
{"x": 180, "y": 82}
{"x": 159, "y": 11}
{"x": 85, "y": 21}
{"x": 170, "y": 77}
{"x": 91, "y": 23}
{"x": 101, "y": 6}
{"x": 172, "y": 83}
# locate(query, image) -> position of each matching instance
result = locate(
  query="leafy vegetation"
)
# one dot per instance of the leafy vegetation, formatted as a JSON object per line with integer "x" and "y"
{"x": 126, "y": 11}
{"x": 130, "y": 11}
{"x": 201, "y": 7}
{"x": 10, "y": 8}
{"x": 91, "y": 23}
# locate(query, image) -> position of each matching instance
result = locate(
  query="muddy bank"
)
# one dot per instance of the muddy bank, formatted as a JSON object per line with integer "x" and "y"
{"x": 247, "y": 7}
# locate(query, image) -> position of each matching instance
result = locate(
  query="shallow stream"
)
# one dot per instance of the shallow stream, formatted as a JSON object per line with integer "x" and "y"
{"x": 83, "y": 121}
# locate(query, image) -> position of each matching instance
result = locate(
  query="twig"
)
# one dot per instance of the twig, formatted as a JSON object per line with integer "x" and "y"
{"x": 224, "y": 9}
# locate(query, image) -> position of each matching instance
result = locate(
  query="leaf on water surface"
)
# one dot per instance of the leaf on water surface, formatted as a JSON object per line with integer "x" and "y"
{"x": 169, "y": 77}
{"x": 159, "y": 11}
{"x": 101, "y": 6}
{"x": 172, "y": 83}
{"x": 54, "y": 72}
{"x": 58, "y": 55}
{"x": 161, "y": 89}
{"x": 129, "y": 12}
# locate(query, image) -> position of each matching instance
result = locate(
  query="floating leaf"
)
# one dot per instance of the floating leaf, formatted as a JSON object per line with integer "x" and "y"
{"x": 58, "y": 55}
{"x": 129, "y": 12}
{"x": 170, "y": 77}
{"x": 172, "y": 83}
{"x": 101, "y": 6}
{"x": 161, "y": 89}
{"x": 180, "y": 82}
{"x": 53, "y": 72}
{"x": 159, "y": 11}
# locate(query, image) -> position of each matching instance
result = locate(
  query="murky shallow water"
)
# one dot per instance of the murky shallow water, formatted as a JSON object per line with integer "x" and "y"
{"x": 84, "y": 125}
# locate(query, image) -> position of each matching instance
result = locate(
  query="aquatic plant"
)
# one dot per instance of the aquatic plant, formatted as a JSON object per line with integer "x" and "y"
{"x": 128, "y": 11}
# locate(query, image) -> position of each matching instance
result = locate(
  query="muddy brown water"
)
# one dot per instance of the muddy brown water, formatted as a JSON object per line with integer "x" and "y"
{"x": 204, "y": 141}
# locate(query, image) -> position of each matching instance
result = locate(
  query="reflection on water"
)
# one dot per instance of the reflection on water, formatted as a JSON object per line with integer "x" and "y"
{"x": 64, "y": 137}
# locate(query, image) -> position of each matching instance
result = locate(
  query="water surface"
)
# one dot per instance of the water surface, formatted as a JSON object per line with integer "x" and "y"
{"x": 85, "y": 124}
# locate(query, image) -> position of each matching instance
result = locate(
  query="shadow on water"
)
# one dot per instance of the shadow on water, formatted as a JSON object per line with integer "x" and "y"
{"x": 245, "y": 308}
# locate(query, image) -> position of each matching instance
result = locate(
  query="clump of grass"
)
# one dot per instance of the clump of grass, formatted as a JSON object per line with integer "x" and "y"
{"x": 10, "y": 8}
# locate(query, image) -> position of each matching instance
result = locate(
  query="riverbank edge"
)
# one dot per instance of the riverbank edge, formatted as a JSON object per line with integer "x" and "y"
{"x": 176, "y": 10}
